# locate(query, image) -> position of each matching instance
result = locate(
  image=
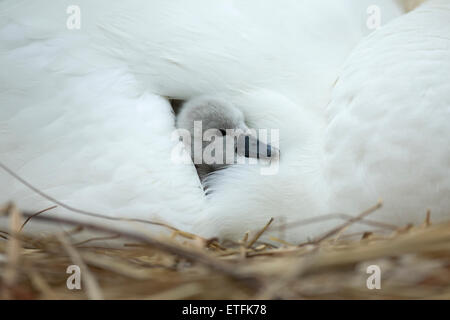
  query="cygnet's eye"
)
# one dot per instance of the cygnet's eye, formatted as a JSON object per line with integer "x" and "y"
{"x": 223, "y": 132}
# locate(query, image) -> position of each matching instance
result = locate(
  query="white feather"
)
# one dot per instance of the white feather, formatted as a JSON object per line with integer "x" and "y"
{"x": 385, "y": 137}
{"x": 82, "y": 115}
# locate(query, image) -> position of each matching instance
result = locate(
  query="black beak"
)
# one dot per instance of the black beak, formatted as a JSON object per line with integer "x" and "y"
{"x": 251, "y": 147}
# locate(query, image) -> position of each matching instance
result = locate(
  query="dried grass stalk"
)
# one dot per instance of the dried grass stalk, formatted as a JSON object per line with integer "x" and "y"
{"x": 414, "y": 260}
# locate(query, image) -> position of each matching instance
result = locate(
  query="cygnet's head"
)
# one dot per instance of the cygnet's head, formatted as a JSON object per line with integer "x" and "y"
{"x": 220, "y": 122}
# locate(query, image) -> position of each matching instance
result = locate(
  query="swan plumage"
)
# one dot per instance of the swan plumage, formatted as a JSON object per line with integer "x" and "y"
{"x": 84, "y": 117}
{"x": 384, "y": 137}
{"x": 390, "y": 110}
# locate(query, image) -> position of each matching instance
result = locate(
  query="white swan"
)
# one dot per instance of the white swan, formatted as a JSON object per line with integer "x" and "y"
{"x": 81, "y": 115}
{"x": 385, "y": 137}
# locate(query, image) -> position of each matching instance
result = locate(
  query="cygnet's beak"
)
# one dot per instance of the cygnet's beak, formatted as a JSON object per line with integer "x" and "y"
{"x": 249, "y": 146}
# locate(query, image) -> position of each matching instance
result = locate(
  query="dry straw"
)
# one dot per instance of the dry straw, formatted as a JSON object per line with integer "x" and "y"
{"x": 414, "y": 260}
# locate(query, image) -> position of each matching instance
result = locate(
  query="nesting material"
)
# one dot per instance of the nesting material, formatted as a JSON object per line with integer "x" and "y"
{"x": 414, "y": 263}
{"x": 409, "y": 5}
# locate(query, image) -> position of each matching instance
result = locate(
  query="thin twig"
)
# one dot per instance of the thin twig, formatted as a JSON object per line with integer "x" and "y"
{"x": 428, "y": 218}
{"x": 259, "y": 234}
{"x": 36, "y": 214}
{"x": 349, "y": 222}
{"x": 117, "y": 236}
{"x": 327, "y": 217}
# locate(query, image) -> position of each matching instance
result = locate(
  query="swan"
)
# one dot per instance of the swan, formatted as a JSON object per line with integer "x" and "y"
{"x": 384, "y": 136}
{"x": 84, "y": 112}
{"x": 227, "y": 135}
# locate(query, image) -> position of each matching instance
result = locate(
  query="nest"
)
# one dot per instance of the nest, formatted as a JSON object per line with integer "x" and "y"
{"x": 413, "y": 263}
{"x": 409, "y": 5}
